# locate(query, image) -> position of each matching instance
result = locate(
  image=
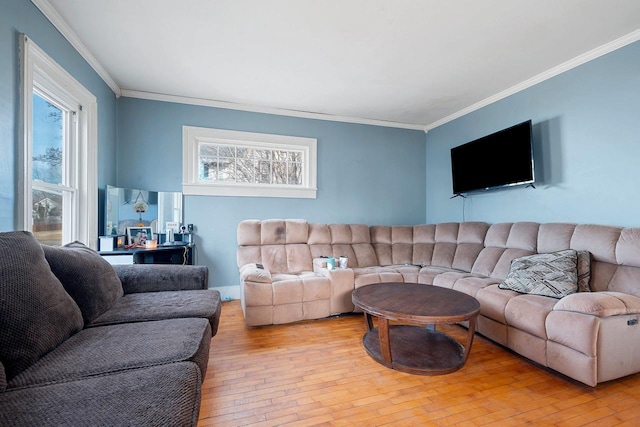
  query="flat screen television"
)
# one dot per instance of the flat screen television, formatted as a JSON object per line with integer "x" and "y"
{"x": 502, "y": 159}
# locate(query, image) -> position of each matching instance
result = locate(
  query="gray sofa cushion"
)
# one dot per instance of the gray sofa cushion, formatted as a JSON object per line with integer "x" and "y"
{"x": 87, "y": 277}
{"x": 164, "y": 395}
{"x": 3, "y": 378}
{"x": 162, "y": 277}
{"x": 37, "y": 313}
{"x": 551, "y": 274}
{"x": 148, "y": 306}
{"x": 105, "y": 349}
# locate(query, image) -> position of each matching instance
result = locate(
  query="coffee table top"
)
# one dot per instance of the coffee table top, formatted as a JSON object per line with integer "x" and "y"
{"x": 415, "y": 302}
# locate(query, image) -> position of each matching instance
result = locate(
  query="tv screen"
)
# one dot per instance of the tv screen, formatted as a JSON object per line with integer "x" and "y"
{"x": 504, "y": 158}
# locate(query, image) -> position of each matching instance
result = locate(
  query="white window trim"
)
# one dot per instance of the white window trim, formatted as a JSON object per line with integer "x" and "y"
{"x": 191, "y": 184}
{"x": 36, "y": 64}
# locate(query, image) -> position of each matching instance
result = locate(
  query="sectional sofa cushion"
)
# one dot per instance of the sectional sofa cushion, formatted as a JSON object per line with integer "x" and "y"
{"x": 553, "y": 274}
{"x": 164, "y": 395}
{"x": 37, "y": 313}
{"x": 148, "y": 306}
{"x": 86, "y": 276}
{"x": 107, "y": 349}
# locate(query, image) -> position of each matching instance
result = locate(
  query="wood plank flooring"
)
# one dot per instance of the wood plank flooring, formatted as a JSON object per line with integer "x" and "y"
{"x": 317, "y": 373}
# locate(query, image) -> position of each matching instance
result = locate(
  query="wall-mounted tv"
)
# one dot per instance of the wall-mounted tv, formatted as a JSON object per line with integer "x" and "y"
{"x": 502, "y": 159}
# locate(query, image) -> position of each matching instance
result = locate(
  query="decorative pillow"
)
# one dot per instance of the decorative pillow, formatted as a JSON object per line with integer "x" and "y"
{"x": 584, "y": 271}
{"x": 90, "y": 280}
{"x": 37, "y": 314}
{"x": 553, "y": 274}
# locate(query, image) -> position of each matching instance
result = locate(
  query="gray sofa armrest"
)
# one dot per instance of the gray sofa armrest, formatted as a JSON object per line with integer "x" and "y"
{"x": 162, "y": 277}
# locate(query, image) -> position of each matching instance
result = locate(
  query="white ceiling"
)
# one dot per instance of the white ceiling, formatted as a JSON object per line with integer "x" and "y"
{"x": 407, "y": 63}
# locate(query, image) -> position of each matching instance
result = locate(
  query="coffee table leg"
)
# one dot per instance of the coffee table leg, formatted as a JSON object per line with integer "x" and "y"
{"x": 471, "y": 334}
{"x": 368, "y": 320}
{"x": 383, "y": 336}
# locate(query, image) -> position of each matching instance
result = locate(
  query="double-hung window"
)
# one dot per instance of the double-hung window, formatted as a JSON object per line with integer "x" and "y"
{"x": 58, "y": 201}
{"x": 231, "y": 163}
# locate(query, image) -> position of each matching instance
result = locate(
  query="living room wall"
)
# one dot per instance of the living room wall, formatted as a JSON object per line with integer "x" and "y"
{"x": 366, "y": 174}
{"x": 22, "y": 17}
{"x": 586, "y": 125}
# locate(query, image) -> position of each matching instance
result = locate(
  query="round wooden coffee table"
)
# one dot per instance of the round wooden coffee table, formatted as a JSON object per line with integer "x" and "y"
{"x": 410, "y": 346}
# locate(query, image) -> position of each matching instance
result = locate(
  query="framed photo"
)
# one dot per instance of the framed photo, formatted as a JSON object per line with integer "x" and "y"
{"x": 139, "y": 235}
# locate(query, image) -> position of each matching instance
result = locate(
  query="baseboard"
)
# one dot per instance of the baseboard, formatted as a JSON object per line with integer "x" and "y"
{"x": 228, "y": 293}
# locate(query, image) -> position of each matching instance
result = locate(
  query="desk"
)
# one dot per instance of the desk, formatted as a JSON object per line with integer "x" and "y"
{"x": 163, "y": 254}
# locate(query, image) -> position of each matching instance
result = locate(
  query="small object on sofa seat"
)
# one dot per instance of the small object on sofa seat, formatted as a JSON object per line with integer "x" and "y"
{"x": 331, "y": 263}
{"x": 343, "y": 262}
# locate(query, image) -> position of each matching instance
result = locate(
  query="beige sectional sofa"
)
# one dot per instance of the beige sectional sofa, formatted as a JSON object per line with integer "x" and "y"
{"x": 589, "y": 336}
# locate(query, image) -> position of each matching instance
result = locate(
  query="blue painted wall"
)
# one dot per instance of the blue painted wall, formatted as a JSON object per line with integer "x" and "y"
{"x": 21, "y": 16}
{"x": 587, "y": 143}
{"x": 366, "y": 174}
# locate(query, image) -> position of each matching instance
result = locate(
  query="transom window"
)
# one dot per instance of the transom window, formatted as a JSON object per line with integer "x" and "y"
{"x": 220, "y": 162}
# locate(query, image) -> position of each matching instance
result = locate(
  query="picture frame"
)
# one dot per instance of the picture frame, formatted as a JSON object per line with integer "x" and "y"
{"x": 139, "y": 235}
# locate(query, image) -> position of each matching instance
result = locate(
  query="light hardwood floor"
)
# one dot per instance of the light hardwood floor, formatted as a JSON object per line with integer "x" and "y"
{"x": 316, "y": 373}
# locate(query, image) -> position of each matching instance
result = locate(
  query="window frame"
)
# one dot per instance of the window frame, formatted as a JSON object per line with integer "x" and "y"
{"x": 193, "y": 136}
{"x": 41, "y": 72}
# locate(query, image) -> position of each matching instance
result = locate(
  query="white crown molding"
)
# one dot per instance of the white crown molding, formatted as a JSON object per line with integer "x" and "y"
{"x": 52, "y": 15}
{"x": 265, "y": 110}
{"x": 579, "y": 60}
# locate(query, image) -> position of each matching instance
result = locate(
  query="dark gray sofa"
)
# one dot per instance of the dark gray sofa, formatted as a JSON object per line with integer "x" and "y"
{"x": 84, "y": 343}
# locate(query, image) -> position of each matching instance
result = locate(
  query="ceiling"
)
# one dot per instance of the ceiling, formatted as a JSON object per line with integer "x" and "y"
{"x": 404, "y": 63}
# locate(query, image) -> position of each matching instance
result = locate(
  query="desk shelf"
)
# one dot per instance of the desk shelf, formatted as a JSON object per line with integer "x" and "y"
{"x": 169, "y": 254}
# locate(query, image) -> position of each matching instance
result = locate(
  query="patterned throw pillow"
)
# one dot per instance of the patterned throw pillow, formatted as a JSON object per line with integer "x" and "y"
{"x": 553, "y": 274}
{"x": 584, "y": 271}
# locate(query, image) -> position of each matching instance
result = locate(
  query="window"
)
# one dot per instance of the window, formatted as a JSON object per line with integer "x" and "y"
{"x": 59, "y": 155}
{"x": 230, "y": 163}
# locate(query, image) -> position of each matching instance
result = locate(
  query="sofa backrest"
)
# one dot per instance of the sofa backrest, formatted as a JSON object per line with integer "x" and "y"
{"x": 336, "y": 240}
{"x": 290, "y": 245}
{"x": 280, "y": 245}
{"x": 450, "y": 245}
{"x": 504, "y": 242}
{"x": 615, "y": 256}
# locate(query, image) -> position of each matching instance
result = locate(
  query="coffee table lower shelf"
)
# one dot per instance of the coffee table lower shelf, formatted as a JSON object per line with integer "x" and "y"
{"x": 417, "y": 350}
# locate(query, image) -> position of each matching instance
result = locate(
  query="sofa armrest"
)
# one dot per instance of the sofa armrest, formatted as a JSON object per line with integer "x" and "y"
{"x": 255, "y": 273}
{"x": 601, "y": 304}
{"x": 162, "y": 277}
{"x": 342, "y": 284}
